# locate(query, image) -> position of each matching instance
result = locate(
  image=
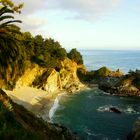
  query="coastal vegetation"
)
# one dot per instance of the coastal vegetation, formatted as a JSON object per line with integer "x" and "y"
{"x": 19, "y": 50}
{"x": 93, "y": 75}
{"x": 75, "y": 56}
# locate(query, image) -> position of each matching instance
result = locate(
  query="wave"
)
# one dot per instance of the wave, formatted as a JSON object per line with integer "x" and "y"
{"x": 55, "y": 106}
{"x": 127, "y": 110}
{"x": 104, "y": 108}
{"x": 131, "y": 110}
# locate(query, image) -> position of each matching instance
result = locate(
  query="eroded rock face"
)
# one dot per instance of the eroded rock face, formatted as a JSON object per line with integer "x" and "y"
{"x": 26, "y": 121}
{"x": 68, "y": 76}
{"x": 51, "y": 80}
{"x": 122, "y": 86}
{"x": 29, "y": 76}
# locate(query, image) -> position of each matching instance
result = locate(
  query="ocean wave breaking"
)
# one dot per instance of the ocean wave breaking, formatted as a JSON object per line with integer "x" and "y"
{"x": 127, "y": 110}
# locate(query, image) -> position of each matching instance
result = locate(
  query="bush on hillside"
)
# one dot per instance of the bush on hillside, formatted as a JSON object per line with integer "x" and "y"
{"x": 75, "y": 56}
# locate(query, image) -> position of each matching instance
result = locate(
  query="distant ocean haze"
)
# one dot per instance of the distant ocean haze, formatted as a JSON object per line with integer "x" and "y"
{"x": 113, "y": 59}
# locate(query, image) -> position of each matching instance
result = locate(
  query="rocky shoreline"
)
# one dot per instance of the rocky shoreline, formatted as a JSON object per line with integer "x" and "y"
{"x": 113, "y": 82}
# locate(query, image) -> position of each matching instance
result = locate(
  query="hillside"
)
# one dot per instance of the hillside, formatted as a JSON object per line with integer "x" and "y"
{"x": 19, "y": 124}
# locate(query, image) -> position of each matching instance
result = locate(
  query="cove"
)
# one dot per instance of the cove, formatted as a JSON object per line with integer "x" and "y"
{"x": 87, "y": 114}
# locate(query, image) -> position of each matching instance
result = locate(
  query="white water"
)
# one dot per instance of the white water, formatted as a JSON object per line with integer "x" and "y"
{"x": 127, "y": 110}
{"x": 54, "y": 107}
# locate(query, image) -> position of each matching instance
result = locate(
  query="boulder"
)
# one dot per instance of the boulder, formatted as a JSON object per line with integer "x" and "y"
{"x": 115, "y": 110}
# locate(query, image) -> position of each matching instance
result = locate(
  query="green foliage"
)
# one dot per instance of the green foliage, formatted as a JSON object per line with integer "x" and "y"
{"x": 135, "y": 76}
{"x": 27, "y": 42}
{"x": 9, "y": 47}
{"x": 75, "y": 56}
{"x": 11, "y": 5}
{"x": 102, "y": 72}
{"x": 92, "y": 75}
{"x": 11, "y": 50}
{"x": 55, "y": 49}
{"x": 85, "y": 75}
{"x": 47, "y": 52}
{"x": 11, "y": 129}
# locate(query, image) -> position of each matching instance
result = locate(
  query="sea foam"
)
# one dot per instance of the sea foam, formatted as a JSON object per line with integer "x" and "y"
{"x": 55, "y": 106}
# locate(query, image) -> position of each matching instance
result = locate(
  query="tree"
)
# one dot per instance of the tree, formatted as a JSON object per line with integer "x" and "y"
{"x": 75, "y": 56}
{"x": 28, "y": 44}
{"x": 38, "y": 44}
{"x": 9, "y": 44}
{"x": 11, "y": 5}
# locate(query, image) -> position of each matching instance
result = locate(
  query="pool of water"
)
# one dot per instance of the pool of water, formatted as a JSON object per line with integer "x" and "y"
{"x": 87, "y": 114}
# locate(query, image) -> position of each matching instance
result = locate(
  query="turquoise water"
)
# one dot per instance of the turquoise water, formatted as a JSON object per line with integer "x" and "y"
{"x": 124, "y": 60}
{"x": 87, "y": 114}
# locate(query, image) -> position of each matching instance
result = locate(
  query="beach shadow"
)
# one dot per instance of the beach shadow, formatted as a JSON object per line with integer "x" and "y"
{"x": 40, "y": 106}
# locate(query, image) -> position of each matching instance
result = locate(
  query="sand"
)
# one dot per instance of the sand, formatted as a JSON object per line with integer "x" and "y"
{"x": 37, "y": 101}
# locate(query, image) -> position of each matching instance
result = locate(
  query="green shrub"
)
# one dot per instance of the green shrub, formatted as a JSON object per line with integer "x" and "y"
{"x": 75, "y": 56}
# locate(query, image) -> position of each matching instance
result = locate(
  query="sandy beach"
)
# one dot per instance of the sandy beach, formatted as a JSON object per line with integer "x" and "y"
{"x": 35, "y": 100}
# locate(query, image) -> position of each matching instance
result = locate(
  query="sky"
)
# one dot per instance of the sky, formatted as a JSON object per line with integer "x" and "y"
{"x": 84, "y": 24}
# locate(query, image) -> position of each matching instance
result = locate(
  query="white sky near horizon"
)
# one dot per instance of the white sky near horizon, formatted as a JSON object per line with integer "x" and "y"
{"x": 84, "y": 24}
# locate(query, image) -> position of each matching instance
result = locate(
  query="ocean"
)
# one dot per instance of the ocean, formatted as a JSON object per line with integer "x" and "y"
{"x": 113, "y": 59}
{"x": 87, "y": 112}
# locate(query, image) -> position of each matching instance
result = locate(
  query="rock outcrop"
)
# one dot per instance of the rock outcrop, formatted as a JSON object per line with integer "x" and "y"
{"x": 18, "y": 122}
{"x": 51, "y": 79}
{"x": 96, "y": 75}
{"x": 68, "y": 76}
{"x": 124, "y": 86}
{"x": 115, "y": 110}
{"x": 113, "y": 82}
{"x": 29, "y": 76}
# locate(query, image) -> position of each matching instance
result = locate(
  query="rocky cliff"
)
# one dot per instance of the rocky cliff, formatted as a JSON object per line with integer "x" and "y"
{"x": 127, "y": 85}
{"x": 51, "y": 79}
{"x": 113, "y": 82}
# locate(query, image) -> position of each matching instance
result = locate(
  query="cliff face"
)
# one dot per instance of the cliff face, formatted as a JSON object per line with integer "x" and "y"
{"x": 29, "y": 76}
{"x": 18, "y": 123}
{"x": 126, "y": 85}
{"x": 51, "y": 80}
{"x": 68, "y": 76}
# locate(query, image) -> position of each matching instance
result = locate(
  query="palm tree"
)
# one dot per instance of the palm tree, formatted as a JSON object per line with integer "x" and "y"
{"x": 9, "y": 44}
